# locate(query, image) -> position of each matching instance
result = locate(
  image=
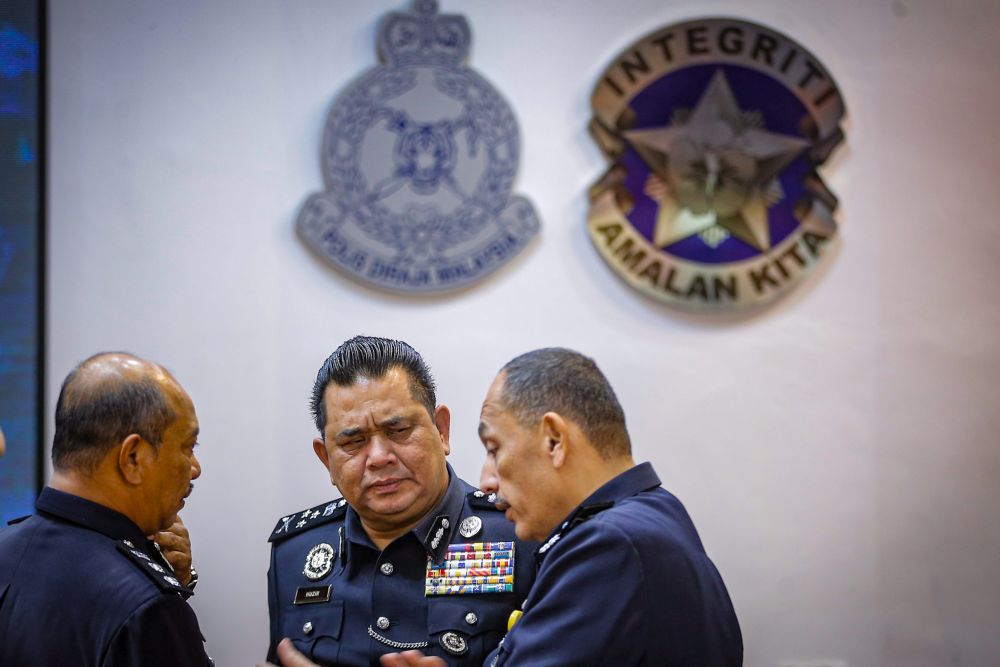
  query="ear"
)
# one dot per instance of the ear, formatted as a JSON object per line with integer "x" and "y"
{"x": 320, "y": 448}
{"x": 555, "y": 435}
{"x": 134, "y": 455}
{"x": 442, "y": 419}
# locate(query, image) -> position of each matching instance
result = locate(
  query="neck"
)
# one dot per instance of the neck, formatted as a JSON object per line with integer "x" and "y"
{"x": 90, "y": 488}
{"x": 595, "y": 473}
{"x": 382, "y": 535}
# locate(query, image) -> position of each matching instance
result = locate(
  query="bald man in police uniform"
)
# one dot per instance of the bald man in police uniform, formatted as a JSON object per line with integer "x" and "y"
{"x": 80, "y": 584}
{"x": 411, "y": 557}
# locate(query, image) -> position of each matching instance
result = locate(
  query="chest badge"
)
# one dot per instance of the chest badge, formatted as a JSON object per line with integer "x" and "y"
{"x": 470, "y": 526}
{"x": 319, "y": 561}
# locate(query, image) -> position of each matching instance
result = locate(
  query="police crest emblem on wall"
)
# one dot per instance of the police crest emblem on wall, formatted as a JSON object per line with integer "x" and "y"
{"x": 715, "y": 130}
{"x": 419, "y": 157}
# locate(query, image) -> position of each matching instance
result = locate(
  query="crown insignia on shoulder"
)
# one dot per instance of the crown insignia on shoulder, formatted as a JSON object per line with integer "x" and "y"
{"x": 306, "y": 519}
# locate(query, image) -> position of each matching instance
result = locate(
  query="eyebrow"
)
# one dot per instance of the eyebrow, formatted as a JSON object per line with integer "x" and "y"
{"x": 395, "y": 420}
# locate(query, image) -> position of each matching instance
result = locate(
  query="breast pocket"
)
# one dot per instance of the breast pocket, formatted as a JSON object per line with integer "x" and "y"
{"x": 464, "y": 630}
{"x": 315, "y": 629}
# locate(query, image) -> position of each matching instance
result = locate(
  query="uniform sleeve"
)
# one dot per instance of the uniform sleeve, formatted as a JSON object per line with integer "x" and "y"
{"x": 272, "y": 608}
{"x": 587, "y": 606}
{"x": 163, "y": 632}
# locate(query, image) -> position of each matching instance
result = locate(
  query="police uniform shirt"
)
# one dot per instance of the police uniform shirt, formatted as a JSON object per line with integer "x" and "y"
{"x": 80, "y": 585}
{"x": 625, "y": 581}
{"x": 343, "y": 602}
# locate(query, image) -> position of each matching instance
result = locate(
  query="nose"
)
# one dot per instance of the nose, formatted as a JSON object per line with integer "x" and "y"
{"x": 380, "y": 452}
{"x": 195, "y": 467}
{"x": 488, "y": 482}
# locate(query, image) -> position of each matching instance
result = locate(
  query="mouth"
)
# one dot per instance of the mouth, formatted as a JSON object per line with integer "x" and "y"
{"x": 385, "y": 486}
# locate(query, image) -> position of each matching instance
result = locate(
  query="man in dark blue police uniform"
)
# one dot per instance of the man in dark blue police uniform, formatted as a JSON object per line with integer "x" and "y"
{"x": 623, "y": 578}
{"x": 80, "y": 584}
{"x": 411, "y": 557}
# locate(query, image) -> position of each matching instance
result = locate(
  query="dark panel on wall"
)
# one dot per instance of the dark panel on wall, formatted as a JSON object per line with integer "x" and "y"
{"x": 21, "y": 252}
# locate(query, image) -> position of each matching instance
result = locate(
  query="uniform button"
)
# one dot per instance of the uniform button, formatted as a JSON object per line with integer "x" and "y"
{"x": 471, "y": 618}
{"x": 387, "y": 569}
{"x": 308, "y": 627}
{"x": 382, "y": 623}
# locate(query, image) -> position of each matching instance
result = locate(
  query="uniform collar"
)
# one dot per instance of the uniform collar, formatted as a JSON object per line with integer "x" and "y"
{"x": 634, "y": 480}
{"x": 627, "y": 484}
{"x": 88, "y": 514}
{"x": 434, "y": 530}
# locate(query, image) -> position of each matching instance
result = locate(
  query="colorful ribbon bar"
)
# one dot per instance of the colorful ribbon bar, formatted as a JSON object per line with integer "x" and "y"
{"x": 469, "y": 589}
{"x": 481, "y": 546}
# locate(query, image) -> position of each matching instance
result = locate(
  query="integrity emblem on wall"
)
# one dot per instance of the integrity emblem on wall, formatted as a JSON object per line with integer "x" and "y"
{"x": 419, "y": 158}
{"x": 715, "y": 130}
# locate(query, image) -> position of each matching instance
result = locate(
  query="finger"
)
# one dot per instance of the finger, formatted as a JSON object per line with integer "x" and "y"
{"x": 290, "y": 656}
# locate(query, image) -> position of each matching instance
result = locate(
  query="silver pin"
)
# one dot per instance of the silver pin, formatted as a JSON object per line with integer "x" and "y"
{"x": 382, "y": 623}
{"x": 471, "y": 618}
{"x": 470, "y": 526}
{"x": 319, "y": 561}
{"x": 307, "y": 627}
{"x": 454, "y": 643}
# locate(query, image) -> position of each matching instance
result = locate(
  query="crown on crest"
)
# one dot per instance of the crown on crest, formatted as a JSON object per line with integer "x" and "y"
{"x": 423, "y": 37}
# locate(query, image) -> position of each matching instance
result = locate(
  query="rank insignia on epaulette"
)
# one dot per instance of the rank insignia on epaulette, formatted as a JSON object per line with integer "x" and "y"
{"x": 473, "y": 568}
{"x": 483, "y": 500}
{"x": 314, "y": 516}
{"x": 155, "y": 571}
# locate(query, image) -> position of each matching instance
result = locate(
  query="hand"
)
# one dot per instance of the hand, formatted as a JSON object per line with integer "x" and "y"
{"x": 289, "y": 656}
{"x": 411, "y": 659}
{"x": 175, "y": 545}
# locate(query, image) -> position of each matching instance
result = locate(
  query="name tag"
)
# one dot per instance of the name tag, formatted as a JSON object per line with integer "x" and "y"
{"x": 312, "y": 594}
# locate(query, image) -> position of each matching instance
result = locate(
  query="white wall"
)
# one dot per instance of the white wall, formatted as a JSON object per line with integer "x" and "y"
{"x": 838, "y": 452}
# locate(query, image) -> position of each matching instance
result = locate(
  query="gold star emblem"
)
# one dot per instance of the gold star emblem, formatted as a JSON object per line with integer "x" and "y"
{"x": 715, "y": 171}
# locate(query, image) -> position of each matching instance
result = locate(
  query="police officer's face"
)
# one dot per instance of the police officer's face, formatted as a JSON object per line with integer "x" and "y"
{"x": 383, "y": 450}
{"x": 516, "y": 468}
{"x": 176, "y": 464}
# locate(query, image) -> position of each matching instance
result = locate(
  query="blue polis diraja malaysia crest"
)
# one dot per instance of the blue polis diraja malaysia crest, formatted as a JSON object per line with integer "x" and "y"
{"x": 419, "y": 157}
{"x": 715, "y": 130}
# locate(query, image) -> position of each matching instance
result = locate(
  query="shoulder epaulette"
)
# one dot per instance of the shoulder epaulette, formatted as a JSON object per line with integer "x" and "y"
{"x": 160, "y": 575}
{"x": 486, "y": 501}
{"x": 306, "y": 519}
{"x": 578, "y": 517}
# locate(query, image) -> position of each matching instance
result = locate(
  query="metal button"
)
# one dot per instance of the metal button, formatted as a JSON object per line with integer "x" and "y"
{"x": 471, "y": 618}
{"x": 382, "y": 623}
{"x": 387, "y": 569}
{"x": 308, "y": 627}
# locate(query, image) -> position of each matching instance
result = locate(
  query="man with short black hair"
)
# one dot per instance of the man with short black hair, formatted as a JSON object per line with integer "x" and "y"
{"x": 411, "y": 556}
{"x": 80, "y": 584}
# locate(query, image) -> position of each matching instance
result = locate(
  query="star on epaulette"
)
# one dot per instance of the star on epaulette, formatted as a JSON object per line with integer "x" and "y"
{"x": 161, "y": 576}
{"x": 486, "y": 501}
{"x": 306, "y": 519}
{"x": 575, "y": 519}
